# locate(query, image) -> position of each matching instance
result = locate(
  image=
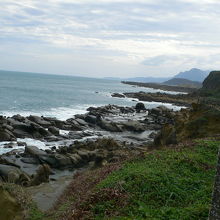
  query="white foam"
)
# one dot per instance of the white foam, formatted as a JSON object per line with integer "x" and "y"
{"x": 33, "y": 142}
{"x": 61, "y": 113}
{"x": 4, "y": 150}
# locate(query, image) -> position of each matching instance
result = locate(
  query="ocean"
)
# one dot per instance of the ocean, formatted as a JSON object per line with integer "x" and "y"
{"x": 58, "y": 95}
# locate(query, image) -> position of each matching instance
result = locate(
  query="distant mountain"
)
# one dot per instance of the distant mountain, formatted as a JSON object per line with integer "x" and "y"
{"x": 193, "y": 74}
{"x": 183, "y": 82}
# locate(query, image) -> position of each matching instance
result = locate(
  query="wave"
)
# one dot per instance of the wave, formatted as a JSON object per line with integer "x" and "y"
{"x": 61, "y": 113}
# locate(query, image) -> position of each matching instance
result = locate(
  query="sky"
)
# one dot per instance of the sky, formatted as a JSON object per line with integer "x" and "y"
{"x": 115, "y": 38}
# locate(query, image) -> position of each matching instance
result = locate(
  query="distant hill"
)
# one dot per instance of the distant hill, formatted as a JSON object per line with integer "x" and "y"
{"x": 210, "y": 92}
{"x": 193, "y": 74}
{"x": 183, "y": 82}
{"x": 212, "y": 82}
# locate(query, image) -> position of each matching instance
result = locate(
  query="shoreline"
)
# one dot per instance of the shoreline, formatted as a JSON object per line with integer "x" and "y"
{"x": 162, "y": 87}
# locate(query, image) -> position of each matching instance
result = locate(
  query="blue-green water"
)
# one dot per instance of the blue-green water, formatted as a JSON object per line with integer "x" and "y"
{"x": 56, "y": 95}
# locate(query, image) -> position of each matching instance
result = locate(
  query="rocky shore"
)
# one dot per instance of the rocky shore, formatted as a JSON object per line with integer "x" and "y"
{"x": 102, "y": 135}
{"x": 162, "y": 87}
{"x": 178, "y": 99}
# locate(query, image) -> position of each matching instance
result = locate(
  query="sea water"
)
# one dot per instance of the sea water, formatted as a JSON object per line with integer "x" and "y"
{"x": 58, "y": 95}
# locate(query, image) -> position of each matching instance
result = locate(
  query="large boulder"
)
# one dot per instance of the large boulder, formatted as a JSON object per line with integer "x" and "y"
{"x": 14, "y": 175}
{"x": 40, "y": 121}
{"x": 34, "y": 151}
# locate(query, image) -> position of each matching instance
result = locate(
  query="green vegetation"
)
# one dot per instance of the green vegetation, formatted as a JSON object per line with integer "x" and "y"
{"x": 166, "y": 184}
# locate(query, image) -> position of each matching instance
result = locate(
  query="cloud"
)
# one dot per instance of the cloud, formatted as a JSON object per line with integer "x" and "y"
{"x": 157, "y": 34}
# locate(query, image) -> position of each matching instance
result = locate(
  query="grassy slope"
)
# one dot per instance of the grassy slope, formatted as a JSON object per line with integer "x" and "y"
{"x": 171, "y": 183}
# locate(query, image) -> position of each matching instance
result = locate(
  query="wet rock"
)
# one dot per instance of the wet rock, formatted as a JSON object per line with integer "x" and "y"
{"x": 34, "y": 151}
{"x": 54, "y": 130}
{"x": 81, "y": 122}
{"x": 91, "y": 119}
{"x": 140, "y": 107}
{"x": 118, "y": 95}
{"x": 40, "y": 121}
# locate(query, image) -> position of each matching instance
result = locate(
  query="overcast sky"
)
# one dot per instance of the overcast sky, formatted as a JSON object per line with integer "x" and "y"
{"x": 122, "y": 38}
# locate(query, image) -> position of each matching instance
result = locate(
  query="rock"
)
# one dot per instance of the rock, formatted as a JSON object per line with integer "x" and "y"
{"x": 14, "y": 175}
{"x": 140, "y": 107}
{"x": 156, "y": 111}
{"x": 34, "y": 151}
{"x": 167, "y": 136}
{"x": 6, "y": 135}
{"x": 40, "y": 121}
{"x": 54, "y": 130}
{"x": 118, "y": 95}
{"x": 42, "y": 175}
{"x": 152, "y": 135}
{"x": 58, "y": 161}
{"x": 134, "y": 126}
{"x": 76, "y": 159}
{"x": 91, "y": 119}
{"x": 63, "y": 161}
{"x": 19, "y": 143}
{"x": 109, "y": 126}
{"x": 30, "y": 160}
{"x": 81, "y": 122}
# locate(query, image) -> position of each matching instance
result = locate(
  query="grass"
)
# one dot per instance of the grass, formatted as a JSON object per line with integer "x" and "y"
{"x": 165, "y": 184}
{"x": 172, "y": 183}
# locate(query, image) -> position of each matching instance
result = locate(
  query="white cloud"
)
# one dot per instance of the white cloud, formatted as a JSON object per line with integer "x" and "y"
{"x": 169, "y": 34}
